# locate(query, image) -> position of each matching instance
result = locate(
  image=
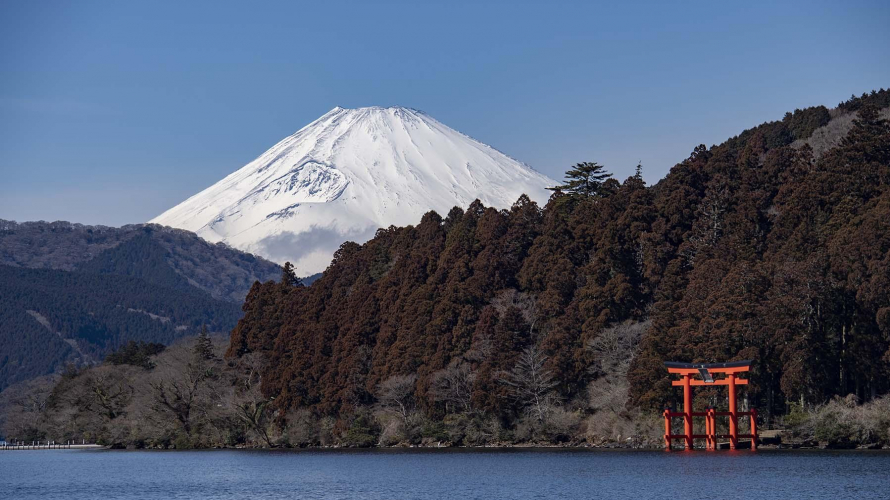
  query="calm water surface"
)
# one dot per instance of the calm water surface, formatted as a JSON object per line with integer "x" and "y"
{"x": 438, "y": 474}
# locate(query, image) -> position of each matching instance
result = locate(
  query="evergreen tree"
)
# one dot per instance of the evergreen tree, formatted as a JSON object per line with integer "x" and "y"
{"x": 584, "y": 179}
{"x": 204, "y": 346}
{"x": 136, "y": 354}
{"x": 289, "y": 277}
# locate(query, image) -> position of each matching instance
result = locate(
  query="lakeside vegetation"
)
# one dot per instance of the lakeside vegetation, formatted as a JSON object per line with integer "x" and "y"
{"x": 188, "y": 396}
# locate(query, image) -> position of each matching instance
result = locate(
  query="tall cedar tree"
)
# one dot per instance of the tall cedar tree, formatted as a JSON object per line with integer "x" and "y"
{"x": 289, "y": 276}
{"x": 204, "y": 345}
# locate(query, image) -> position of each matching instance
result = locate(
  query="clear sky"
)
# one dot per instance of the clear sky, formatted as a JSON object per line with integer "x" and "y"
{"x": 111, "y": 112}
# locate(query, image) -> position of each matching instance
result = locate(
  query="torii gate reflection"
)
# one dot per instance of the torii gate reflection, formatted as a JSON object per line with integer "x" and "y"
{"x": 686, "y": 371}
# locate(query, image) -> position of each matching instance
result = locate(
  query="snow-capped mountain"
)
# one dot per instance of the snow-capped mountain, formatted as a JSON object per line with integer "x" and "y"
{"x": 346, "y": 174}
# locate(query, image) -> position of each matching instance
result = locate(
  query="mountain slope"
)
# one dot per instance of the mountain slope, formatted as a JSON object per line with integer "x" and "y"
{"x": 71, "y": 293}
{"x": 52, "y": 317}
{"x": 159, "y": 255}
{"x": 345, "y": 175}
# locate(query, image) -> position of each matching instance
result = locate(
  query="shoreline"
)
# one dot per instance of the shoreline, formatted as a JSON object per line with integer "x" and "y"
{"x": 450, "y": 449}
{"x": 38, "y": 447}
{"x": 513, "y": 447}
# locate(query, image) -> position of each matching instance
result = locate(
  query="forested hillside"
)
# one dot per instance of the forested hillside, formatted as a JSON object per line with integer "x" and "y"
{"x": 756, "y": 248}
{"x": 51, "y": 318}
{"x": 160, "y": 255}
{"x": 72, "y": 293}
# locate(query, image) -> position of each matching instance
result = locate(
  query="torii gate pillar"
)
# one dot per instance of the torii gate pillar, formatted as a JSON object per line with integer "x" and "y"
{"x": 687, "y": 409}
{"x": 686, "y": 371}
{"x": 733, "y": 415}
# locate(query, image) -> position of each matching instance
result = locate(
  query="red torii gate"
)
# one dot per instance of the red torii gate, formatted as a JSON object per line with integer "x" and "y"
{"x": 687, "y": 370}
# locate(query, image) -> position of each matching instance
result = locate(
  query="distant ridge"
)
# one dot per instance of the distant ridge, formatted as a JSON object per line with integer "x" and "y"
{"x": 73, "y": 293}
{"x": 221, "y": 271}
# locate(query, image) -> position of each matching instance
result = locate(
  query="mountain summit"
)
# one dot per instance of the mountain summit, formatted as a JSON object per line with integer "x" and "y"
{"x": 346, "y": 174}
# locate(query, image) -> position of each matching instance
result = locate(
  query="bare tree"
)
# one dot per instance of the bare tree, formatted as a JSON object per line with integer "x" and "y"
{"x": 179, "y": 384}
{"x": 93, "y": 404}
{"x": 708, "y": 228}
{"x": 396, "y": 395}
{"x": 183, "y": 399}
{"x": 247, "y": 401}
{"x": 613, "y": 350}
{"x": 108, "y": 391}
{"x": 454, "y": 386}
{"x": 23, "y": 405}
{"x": 481, "y": 350}
{"x": 615, "y": 347}
{"x": 531, "y": 385}
{"x": 302, "y": 428}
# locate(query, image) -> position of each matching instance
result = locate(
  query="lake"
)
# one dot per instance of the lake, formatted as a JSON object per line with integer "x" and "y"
{"x": 439, "y": 474}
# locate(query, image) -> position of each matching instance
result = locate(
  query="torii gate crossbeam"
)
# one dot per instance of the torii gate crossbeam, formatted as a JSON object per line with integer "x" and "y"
{"x": 706, "y": 371}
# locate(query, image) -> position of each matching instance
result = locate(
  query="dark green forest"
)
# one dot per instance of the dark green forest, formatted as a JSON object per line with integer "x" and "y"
{"x": 164, "y": 256}
{"x": 73, "y": 293}
{"x": 51, "y": 317}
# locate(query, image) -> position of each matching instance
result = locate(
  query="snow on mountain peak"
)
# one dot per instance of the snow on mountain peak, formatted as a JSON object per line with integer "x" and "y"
{"x": 346, "y": 174}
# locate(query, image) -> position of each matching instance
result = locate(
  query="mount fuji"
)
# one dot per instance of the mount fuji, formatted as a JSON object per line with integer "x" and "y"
{"x": 346, "y": 174}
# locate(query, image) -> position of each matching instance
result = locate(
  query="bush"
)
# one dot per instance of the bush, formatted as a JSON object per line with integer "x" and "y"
{"x": 301, "y": 429}
{"x": 562, "y": 425}
{"x": 438, "y": 431}
{"x": 362, "y": 432}
{"x": 182, "y": 442}
{"x": 471, "y": 430}
{"x": 842, "y": 423}
{"x": 136, "y": 354}
{"x": 627, "y": 429}
{"x": 558, "y": 426}
{"x": 393, "y": 432}
{"x": 796, "y": 416}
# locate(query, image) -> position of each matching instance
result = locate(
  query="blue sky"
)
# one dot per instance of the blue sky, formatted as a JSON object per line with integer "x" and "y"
{"x": 111, "y": 112}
